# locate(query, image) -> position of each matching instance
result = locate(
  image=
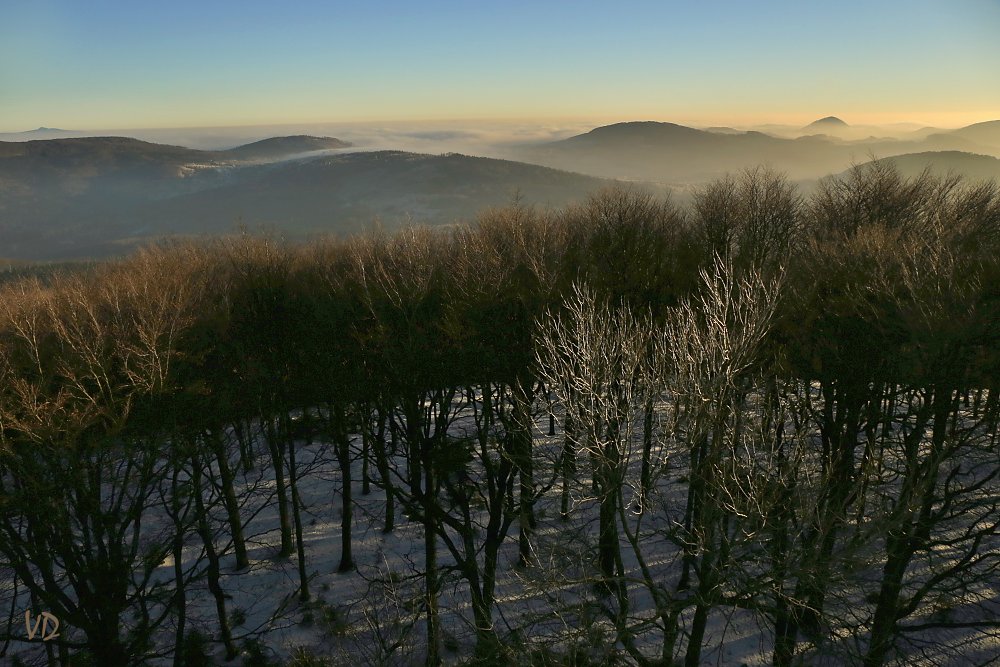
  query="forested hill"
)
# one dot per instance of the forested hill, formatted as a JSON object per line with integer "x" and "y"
{"x": 970, "y": 165}
{"x": 679, "y": 155}
{"x": 279, "y": 147}
{"x": 96, "y": 197}
{"x": 347, "y": 192}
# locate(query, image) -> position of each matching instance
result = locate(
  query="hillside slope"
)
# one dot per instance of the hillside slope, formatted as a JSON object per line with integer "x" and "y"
{"x": 97, "y": 197}
{"x": 679, "y": 155}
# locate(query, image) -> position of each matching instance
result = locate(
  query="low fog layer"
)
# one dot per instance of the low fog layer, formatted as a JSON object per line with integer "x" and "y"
{"x": 98, "y": 196}
{"x": 469, "y": 137}
{"x": 464, "y": 136}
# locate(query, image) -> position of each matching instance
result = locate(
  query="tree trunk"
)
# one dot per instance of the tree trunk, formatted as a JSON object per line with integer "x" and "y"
{"x": 552, "y": 417}
{"x": 414, "y": 442}
{"x": 366, "y": 487}
{"x": 839, "y": 432}
{"x": 567, "y": 465}
{"x": 242, "y": 429}
{"x": 607, "y": 544}
{"x": 229, "y": 498}
{"x": 347, "y": 504}
{"x": 385, "y": 473}
{"x": 275, "y": 446}
{"x": 180, "y": 597}
{"x": 214, "y": 572}
{"x": 297, "y": 520}
{"x": 106, "y": 647}
{"x": 903, "y": 540}
{"x": 646, "y": 476}
{"x": 430, "y": 560}
{"x": 693, "y": 656}
{"x": 884, "y": 620}
{"x": 522, "y": 440}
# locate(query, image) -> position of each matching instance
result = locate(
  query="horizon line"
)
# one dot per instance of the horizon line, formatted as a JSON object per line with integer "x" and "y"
{"x": 504, "y": 119}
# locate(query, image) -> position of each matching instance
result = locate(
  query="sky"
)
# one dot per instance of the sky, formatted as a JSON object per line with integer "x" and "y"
{"x": 88, "y": 64}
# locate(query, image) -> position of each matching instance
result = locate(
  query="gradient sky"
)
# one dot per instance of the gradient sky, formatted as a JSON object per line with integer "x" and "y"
{"x": 89, "y": 64}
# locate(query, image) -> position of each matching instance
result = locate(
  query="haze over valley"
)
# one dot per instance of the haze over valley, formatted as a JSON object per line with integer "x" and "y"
{"x": 70, "y": 196}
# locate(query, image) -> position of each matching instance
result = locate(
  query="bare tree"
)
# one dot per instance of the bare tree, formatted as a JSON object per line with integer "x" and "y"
{"x": 83, "y": 363}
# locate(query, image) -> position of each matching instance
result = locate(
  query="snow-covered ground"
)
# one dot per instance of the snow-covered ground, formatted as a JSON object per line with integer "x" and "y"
{"x": 373, "y": 615}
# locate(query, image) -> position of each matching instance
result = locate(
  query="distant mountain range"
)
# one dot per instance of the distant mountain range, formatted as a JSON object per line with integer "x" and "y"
{"x": 986, "y": 134}
{"x": 681, "y": 156}
{"x": 39, "y": 133}
{"x": 127, "y": 153}
{"x": 99, "y": 196}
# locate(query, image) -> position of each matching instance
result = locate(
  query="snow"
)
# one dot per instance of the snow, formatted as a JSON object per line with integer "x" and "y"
{"x": 355, "y": 617}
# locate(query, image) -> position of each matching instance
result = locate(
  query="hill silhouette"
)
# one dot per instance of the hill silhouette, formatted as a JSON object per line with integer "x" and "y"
{"x": 127, "y": 167}
{"x": 66, "y": 152}
{"x": 679, "y": 155}
{"x": 682, "y": 156}
{"x": 825, "y": 124}
{"x": 986, "y": 133}
{"x": 346, "y": 192}
{"x": 279, "y": 147}
{"x": 100, "y": 196}
{"x": 95, "y": 196}
{"x": 39, "y": 133}
{"x": 970, "y": 165}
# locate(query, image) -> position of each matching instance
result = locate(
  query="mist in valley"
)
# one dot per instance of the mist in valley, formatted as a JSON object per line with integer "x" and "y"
{"x": 72, "y": 194}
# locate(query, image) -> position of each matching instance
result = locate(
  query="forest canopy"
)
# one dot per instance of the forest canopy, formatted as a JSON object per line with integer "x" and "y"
{"x": 764, "y": 404}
